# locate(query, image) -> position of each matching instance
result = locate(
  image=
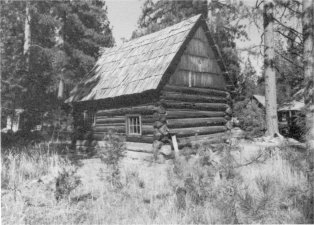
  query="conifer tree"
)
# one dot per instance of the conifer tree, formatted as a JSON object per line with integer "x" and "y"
{"x": 30, "y": 80}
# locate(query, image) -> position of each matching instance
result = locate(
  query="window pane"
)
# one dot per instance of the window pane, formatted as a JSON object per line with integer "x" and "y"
{"x": 134, "y": 125}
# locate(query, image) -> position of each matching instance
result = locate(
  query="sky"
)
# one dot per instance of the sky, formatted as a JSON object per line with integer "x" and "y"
{"x": 123, "y": 16}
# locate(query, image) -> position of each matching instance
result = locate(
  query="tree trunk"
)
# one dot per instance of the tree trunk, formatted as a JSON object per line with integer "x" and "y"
{"x": 270, "y": 76}
{"x": 307, "y": 22}
{"x": 27, "y": 34}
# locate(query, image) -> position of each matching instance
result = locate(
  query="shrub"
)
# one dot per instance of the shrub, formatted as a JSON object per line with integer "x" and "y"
{"x": 111, "y": 153}
{"x": 251, "y": 117}
{"x": 66, "y": 182}
{"x": 206, "y": 180}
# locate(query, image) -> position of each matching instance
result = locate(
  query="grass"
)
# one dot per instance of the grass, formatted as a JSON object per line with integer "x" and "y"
{"x": 218, "y": 190}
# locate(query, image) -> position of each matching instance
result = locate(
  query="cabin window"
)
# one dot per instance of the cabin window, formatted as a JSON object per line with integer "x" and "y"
{"x": 134, "y": 125}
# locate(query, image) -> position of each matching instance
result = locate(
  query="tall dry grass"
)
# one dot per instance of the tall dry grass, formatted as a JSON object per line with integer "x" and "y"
{"x": 19, "y": 165}
{"x": 218, "y": 191}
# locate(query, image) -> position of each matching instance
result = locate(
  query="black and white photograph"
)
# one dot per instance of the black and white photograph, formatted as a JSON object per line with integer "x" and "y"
{"x": 157, "y": 112}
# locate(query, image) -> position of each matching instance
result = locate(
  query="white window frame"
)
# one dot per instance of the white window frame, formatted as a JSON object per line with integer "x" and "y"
{"x": 128, "y": 125}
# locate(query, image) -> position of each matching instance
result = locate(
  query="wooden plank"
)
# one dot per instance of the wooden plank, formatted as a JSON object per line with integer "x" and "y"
{"x": 200, "y": 48}
{"x": 188, "y": 132}
{"x": 189, "y": 78}
{"x": 195, "y": 122}
{"x": 193, "y": 90}
{"x": 199, "y": 64}
{"x": 191, "y": 98}
{"x": 173, "y": 114}
{"x": 197, "y": 106}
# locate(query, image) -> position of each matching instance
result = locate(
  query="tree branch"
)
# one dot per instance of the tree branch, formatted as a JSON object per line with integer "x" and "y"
{"x": 288, "y": 60}
{"x": 290, "y": 28}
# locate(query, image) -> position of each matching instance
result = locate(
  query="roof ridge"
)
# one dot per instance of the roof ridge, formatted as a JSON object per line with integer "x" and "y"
{"x": 196, "y": 17}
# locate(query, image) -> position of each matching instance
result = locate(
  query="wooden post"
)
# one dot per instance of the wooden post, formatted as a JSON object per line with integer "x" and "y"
{"x": 175, "y": 145}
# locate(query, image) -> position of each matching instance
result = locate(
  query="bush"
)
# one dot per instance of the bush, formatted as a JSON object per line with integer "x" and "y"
{"x": 111, "y": 153}
{"x": 206, "y": 180}
{"x": 66, "y": 182}
{"x": 251, "y": 117}
{"x": 267, "y": 190}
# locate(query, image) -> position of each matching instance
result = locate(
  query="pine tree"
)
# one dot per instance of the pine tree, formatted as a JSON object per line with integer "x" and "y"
{"x": 85, "y": 28}
{"x": 307, "y": 22}
{"x": 270, "y": 75}
{"x": 62, "y": 40}
{"x": 158, "y": 15}
{"x": 12, "y": 58}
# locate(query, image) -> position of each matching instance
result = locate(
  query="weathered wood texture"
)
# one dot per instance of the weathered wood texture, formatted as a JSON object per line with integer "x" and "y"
{"x": 192, "y": 97}
{"x": 177, "y": 113}
{"x": 143, "y": 110}
{"x": 194, "y": 111}
{"x": 198, "y": 66}
{"x": 192, "y": 131}
{"x": 115, "y": 120}
{"x": 198, "y": 91}
{"x": 195, "y": 122}
{"x": 209, "y": 138}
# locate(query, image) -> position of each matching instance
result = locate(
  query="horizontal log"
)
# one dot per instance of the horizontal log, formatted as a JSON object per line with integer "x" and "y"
{"x": 202, "y": 139}
{"x": 146, "y": 129}
{"x": 187, "y": 132}
{"x": 195, "y": 122}
{"x": 176, "y": 114}
{"x": 141, "y": 139}
{"x": 103, "y": 129}
{"x": 109, "y": 124}
{"x": 193, "y": 90}
{"x": 197, "y": 106}
{"x": 115, "y": 121}
{"x": 191, "y": 98}
{"x": 147, "y": 109}
{"x": 139, "y": 147}
{"x": 108, "y": 120}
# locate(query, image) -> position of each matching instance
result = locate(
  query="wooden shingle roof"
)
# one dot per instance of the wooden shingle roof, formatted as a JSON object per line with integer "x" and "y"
{"x": 136, "y": 66}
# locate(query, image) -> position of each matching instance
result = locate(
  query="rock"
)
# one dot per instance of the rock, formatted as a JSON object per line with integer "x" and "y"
{"x": 166, "y": 150}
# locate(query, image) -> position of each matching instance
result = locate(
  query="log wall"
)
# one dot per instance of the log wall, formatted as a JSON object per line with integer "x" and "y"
{"x": 115, "y": 120}
{"x": 195, "y": 111}
{"x": 195, "y": 97}
{"x": 192, "y": 112}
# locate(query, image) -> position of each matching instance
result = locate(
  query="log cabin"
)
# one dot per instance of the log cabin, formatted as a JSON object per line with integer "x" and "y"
{"x": 171, "y": 82}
